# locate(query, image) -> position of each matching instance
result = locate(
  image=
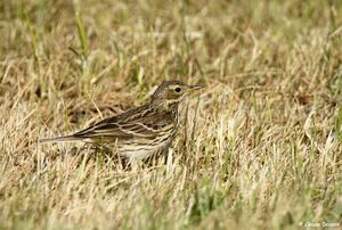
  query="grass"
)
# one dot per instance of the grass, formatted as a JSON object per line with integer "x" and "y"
{"x": 264, "y": 151}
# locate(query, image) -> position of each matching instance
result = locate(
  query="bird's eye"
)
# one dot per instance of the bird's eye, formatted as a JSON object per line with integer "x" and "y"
{"x": 178, "y": 89}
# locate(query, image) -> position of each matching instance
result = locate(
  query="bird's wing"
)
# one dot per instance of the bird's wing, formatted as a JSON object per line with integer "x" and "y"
{"x": 139, "y": 122}
{"x": 101, "y": 131}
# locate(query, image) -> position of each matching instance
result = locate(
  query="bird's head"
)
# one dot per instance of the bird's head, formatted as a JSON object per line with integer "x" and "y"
{"x": 172, "y": 92}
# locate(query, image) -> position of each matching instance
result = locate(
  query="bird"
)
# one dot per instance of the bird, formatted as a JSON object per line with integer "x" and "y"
{"x": 140, "y": 132}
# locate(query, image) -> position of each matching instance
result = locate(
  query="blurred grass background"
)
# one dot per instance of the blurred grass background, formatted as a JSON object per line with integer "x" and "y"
{"x": 267, "y": 152}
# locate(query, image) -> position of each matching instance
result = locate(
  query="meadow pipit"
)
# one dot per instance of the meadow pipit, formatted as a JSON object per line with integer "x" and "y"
{"x": 143, "y": 131}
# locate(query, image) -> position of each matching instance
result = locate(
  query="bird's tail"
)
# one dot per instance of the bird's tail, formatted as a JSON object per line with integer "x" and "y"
{"x": 58, "y": 139}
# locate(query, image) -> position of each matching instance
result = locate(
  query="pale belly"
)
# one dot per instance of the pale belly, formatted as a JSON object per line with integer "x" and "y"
{"x": 140, "y": 152}
{"x": 142, "y": 148}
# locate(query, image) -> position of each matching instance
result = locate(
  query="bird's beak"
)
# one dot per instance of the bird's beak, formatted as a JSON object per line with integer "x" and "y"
{"x": 196, "y": 87}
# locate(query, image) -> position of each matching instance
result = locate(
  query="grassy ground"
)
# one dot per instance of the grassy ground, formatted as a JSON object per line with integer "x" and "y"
{"x": 265, "y": 152}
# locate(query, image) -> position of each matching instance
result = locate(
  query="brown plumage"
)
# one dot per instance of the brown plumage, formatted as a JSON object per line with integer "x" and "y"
{"x": 143, "y": 131}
